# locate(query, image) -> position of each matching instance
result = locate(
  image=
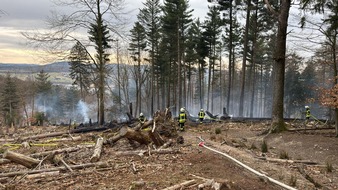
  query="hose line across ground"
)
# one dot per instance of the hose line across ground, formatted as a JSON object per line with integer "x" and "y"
{"x": 202, "y": 144}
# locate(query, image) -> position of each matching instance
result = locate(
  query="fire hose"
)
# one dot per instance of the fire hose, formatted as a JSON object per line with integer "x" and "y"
{"x": 202, "y": 144}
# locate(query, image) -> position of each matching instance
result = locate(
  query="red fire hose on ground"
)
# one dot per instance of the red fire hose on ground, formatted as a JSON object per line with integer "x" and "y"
{"x": 202, "y": 144}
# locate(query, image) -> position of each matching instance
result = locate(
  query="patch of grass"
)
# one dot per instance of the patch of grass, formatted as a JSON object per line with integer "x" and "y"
{"x": 293, "y": 181}
{"x": 218, "y": 131}
{"x": 329, "y": 167}
{"x": 283, "y": 155}
{"x": 264, "y": 147}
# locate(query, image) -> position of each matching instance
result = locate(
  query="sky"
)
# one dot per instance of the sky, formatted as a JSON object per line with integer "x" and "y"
{"x": 30, "y": 15}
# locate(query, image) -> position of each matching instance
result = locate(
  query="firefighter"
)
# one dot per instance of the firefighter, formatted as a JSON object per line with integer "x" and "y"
{"x": 142, "y": 118}
{"x": 307, "y": 113}
{"x": 182, "y": 119}
{"x": 201, "y": 115}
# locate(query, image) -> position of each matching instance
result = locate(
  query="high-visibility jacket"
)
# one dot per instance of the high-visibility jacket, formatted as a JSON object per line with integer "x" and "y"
{"x": 201, "y": 114}
{"x": 142, "y": 119}
{"x": 182, "y": 117}
{"x": 308, "y": 113}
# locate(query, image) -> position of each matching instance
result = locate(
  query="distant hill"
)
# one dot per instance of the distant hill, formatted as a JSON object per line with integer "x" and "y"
{"x": 34, "y": 68}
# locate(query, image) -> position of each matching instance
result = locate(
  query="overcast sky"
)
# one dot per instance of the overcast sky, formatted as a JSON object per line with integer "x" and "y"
{"x": 25, "y": 15}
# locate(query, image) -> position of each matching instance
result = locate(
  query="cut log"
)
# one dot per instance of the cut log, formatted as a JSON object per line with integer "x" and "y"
{"x": 24, "y": 160}
{"x": 137, "y": 136}
{"x": 97, "y": 150}
{"x": 181, "y": 185}
{"x": 53, "y": 152}
{"x": 62, "y": 168}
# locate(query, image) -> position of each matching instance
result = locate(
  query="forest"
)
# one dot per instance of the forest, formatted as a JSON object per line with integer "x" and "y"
{"x": 235, "y": 58}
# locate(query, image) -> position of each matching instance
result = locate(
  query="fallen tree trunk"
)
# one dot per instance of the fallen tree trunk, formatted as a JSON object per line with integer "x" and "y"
{"x": 62, "y": 168}
{"x": 59, "y": 151}
{"x": 306, "y": 176}
{"x": 97, "y": 150}
{"x": 42, "y": 136}
{"x": 21, "y": 159}
{"x": 137, "y": 136}
{"x": 78, "y": 130}
{"x": 141, "y": 152}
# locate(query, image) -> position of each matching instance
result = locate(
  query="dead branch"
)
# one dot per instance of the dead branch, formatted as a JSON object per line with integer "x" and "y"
{"x": 62, "y": 168}
{"x": 181, "y": 185}
{"x": 58, "y": 159}
{"x": 208, "y": 183}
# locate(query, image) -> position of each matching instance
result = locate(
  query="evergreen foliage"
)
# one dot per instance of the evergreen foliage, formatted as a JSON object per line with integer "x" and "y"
{"x": 9, "y": 100}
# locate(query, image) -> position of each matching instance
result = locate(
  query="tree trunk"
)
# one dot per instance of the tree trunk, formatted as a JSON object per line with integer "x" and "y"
{"x": 279, "y": 68}
{"x": 246, "y": 41}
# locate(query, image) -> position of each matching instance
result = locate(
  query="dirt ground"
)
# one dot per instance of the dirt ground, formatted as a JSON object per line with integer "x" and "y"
{"x": 242, "y": 141}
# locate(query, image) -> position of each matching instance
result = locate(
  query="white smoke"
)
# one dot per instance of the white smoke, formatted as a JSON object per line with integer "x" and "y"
{"x": 82, "y": 109}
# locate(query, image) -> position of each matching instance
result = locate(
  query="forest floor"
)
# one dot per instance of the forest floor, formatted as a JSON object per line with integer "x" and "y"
{"x": 318, "y": 149}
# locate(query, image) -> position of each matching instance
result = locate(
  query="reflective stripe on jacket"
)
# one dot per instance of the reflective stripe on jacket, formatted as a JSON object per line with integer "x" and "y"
{"x": 308, "y": 114}
{"x": 201, "y": 114}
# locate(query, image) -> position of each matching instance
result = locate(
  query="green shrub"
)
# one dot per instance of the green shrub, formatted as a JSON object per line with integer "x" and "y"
{"x": 218, "y": 131}
{"x": 329, "y": 167}
{"x": 264, "y": 147}
{"x": 283, "y": 155}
